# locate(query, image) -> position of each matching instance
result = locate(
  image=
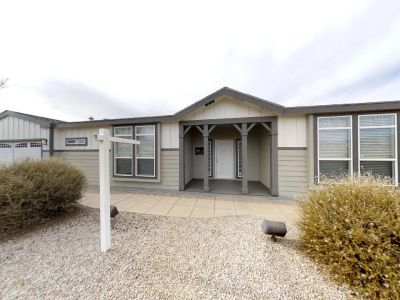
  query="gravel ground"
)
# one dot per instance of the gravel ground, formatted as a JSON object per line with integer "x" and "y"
{"x": 159, "y": 258}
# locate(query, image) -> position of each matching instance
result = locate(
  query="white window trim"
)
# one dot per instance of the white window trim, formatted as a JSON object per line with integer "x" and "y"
{"x": 395, "y": 159}
{"x": 147, "y": 157}
{"x": 335, "y": 159}
{"x": 126, "y": 157}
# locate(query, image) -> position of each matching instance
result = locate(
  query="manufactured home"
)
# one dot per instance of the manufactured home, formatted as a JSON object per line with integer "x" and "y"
{"x": 228, "y": 142}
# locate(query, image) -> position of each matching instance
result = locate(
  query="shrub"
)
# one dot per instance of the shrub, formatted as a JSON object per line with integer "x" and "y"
{"x": 32, "y": 191}
{"x": 353, "y": 227}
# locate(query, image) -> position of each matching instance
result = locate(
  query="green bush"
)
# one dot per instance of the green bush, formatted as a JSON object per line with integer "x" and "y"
{"x": 353, "y": 227}
{"x": 32, "y": 191}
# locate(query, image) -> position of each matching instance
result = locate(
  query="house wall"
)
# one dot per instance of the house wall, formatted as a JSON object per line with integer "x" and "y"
{"x": 292, "y": 131}
{"x": 227, "y": 107}
{"x": 88, "y": 162}
{"x": 13, "y": 128}
{"x": 292, "y": 172}
{"x": 60, "y": 134}
{"x": 170, "y": 135}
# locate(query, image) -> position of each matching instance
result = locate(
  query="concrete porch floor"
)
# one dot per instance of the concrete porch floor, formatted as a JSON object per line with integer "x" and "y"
{"x": 226, "y": 186}
{"x": 197, "y": 206}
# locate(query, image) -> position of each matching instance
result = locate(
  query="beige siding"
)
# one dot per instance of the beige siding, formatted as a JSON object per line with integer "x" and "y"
{"x": 170, "y": 135}
{"x": 292, "y": 172}
{"x": 12, "y": 128}
{"x": 60, "y": 134}
{"x": 87, "y": 161}
{"x": 169, "y": 174}
{"x": 292, "y": 131}
{"x": 227, "y": 107}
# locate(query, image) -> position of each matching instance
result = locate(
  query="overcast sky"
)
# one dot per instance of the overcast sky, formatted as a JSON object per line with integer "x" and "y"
{"x": 74, "y": 59}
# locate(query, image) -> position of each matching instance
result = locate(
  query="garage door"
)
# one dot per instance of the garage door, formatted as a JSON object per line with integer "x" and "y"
{"x": 15, "y": 151}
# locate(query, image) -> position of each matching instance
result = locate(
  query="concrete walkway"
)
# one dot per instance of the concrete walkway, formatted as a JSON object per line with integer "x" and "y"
{"x": 197, "y": 206}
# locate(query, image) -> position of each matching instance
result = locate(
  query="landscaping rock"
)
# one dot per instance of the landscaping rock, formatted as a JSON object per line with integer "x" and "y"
{"x": 154, "y": 257}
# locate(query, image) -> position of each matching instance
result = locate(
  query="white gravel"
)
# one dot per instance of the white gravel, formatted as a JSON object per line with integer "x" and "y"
{"x": 159, "y": 258}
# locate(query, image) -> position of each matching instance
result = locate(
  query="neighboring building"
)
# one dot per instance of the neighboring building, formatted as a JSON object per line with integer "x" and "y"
{"x": 229, "y": 141}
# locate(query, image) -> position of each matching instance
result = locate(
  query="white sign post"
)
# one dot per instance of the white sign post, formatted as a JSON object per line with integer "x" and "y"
{"x": 105, "y": 141}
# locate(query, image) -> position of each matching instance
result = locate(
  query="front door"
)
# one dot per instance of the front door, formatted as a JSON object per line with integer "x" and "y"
{"x": 224, "y": 162}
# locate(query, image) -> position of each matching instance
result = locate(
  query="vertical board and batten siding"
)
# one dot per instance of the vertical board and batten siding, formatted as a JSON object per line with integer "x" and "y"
{"x": 60, "y": 134}
{"x": 13, "y": 128}
{"x": 292, "y": 172}
{"x": 227, "y": 108}
{"x": 292, "y": 131}
{"x": 170, "y": 135}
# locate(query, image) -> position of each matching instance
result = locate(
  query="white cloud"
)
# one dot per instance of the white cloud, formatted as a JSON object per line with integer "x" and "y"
{"x": 155, "y": 57}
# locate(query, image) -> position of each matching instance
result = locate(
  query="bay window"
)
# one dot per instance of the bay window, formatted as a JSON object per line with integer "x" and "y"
{"x": 145, "y": 154}
{"x": 377, "y": 145}
{"x": 123, "y": 153}
{"x": 334, "y": 146}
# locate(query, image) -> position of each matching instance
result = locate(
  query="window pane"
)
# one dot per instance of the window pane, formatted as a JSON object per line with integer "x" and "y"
{"x": 344, "y": 121}
{"x": 323, "y": 122}
{"x": 388, "y": 120}
{"x": 365, "y": 121}
{"x": 333, "y": 169}
{"x": 377, "y": 120}
{"x": 124, "y": 166}
{"x": 334, "y": 143}
{"x": 380, "y": 168}
{"x": 123, "y": 150}
{"x": 145, "y": 129}
{"x": 127, "y": 131}
{"x": 377, "y": 143}
{"x": 146, "y": 146}
{"x": 145, "y": 167}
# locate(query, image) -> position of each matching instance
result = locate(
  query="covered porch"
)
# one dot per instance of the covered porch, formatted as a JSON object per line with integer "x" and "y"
{"x": 226, "y": 186}
{"x": 229, "y": 156}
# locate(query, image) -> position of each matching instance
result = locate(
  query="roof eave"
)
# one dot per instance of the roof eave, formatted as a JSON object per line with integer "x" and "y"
{"x": 111, "y": 122}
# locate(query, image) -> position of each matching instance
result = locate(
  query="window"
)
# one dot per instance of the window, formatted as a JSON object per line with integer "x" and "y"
{"x": 21, "y": 145}
{"x": 76, "y": 141}
{"x": 145, "y": 154}
{"x": 123, "y": 153}
{"x": 4, "y": 145}
{"x": 377, "y": 145}
{"x": 334, "y": 146}
{"x": 239, "y": 158}
{"x": 36, "y": 144}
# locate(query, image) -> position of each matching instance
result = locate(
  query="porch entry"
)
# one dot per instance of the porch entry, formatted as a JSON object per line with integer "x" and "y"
{"x": 216, "y": 152}
{"x": 224, "y": 159}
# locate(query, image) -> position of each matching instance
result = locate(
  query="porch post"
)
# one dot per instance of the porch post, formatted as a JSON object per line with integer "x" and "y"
{"x": 244, "y": 132}
{"x": 274, "y": 158}
{"x": 206, "y": 187}
{"x": 181, "y": 158}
